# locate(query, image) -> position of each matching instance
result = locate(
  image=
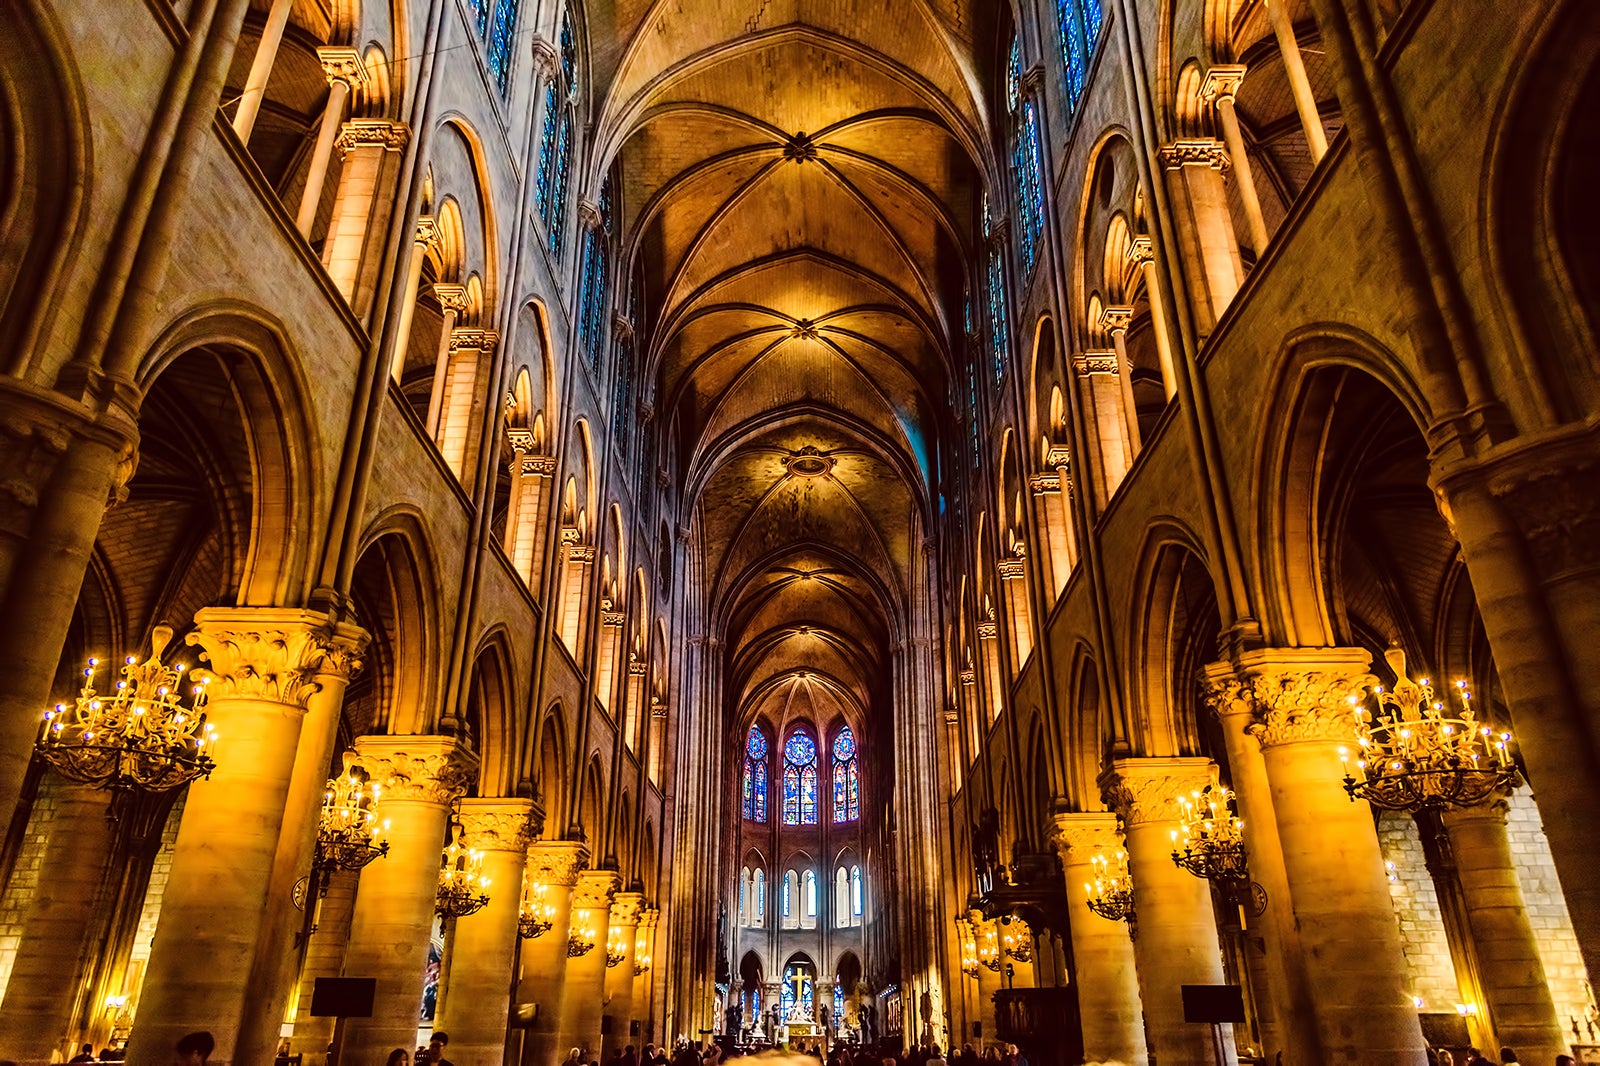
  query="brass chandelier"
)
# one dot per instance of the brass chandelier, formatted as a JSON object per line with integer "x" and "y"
{"x": 349, "y": 834}
{"x": 641, "y": 956}
{"x": 1209, "y": 841}
{"x": 1419, "y": 754}
{"x": 139, "y": 737}
{"x": 1017, "y": 939}
{"x": 536, "y": 915}
{"x": 1111, "y": 891}
{"x": 461, "y": 878}
{"x": 969, "y": 947}
{"x": 616, "y": 951}
{"x": 989, "y": 950}
{"x": 580, "y": 942}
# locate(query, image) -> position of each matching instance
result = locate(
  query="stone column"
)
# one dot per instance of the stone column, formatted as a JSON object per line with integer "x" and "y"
{"x": 1115, "y": 321}
{"x": 1292, "y": 1027}
{"x": 1105, "y": 976}
{"x": 427, "y": 235}
{"x": 421, "y": 776}
{"x": 573, "y": 605}
{"x": 626, "y": 909}
{"x": 644, "y": 955}
{"x": 370, "y": 149}
{"x": 1294, "y": 67}
{"x": 1012, "y": 572}
{"x": 452, "y": 302}
{"x": 988, "y": 980}
{"x": 1520, "y": 1012}
{"x": 345, "y": 72}
{"x": 325, "y": 958}
{"x": 1107, "y": 418}
{"x": 483, "y": 946}
{"x": 1142, "y": 253}
{"x": 39, "y": 998}
{"x": 530, "y": 481}
{"x": 1304, "y": 707}
{"x": 1051, "y": 503}
{"x": 263, "y": 665}
{"x": 1220, "y": 87}
{"x": 1207, "y": 249}
{"x": 1176, "y": 933}
{"x": 555, "y": 864}
{"x": 581, "y": 1004}
{"x": 255, "y": 84}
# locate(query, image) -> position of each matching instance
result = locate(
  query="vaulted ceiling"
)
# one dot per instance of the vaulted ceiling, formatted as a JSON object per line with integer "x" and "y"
{"x": 799, "y": 184}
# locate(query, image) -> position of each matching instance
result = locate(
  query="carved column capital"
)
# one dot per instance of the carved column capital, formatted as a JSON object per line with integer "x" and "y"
{"x": 451, "y": 297}
{"x": 1141, "y": 251}
{"x": 595, "y": 889}
{"x": 482, "y": 340}
{"x": 1227, "y": 695}
{"x": 589, "y": 213}
{"x": 627, "y": 908}
{"x": 1116, "y": 320}
{"x": 430, "y": 769}
{"x": 557, "y": 862}
{"x": 1194, "y": 152}
{"x": 427, "y": 235}
{"x": 342, "y": 64}
{"x": 275, "y": 654}
{"x": 1148, "y": 789}
{"x": 546, "y": 59}
{"x": 1222, "y": 80}
{"x": 497, "y": 824}
{"x": 1045, "y": 484}
{"x": 1076, "y": 837}
{"x": 372, "y": 133}
{"x": 1095, "y": 362}
{"x": 1306, "y": 694}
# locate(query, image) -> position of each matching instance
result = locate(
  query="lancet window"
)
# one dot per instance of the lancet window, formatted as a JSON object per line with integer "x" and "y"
{"x": 1078, "y": 22}
{"x": 800, "y": 779}
{"x": 755, "y": 775}
{"x": 555, "y": 144}
{"x": 1029, "y": 191}
{"x": 846, "y": 777}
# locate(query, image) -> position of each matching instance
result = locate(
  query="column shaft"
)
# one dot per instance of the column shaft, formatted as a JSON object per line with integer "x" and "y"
{"x": 1520, "y": 1011}
{"x": 625, "y": 911}
{"x": 581, "y": 1004}
{"x": 542, "y": 984}
{"x": 255, "y": 85}
{"x": 324, "y": 958}
{"x": 1294, "y": 67}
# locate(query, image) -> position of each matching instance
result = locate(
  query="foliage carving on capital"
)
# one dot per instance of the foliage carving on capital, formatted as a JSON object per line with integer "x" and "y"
{"x": 557, "y": 862}
{"x": 627, "y": 908}
{"x": 1222, "y": 80}
{"x": 1295, "y": 703}
{"x": 432, "y": 769}
{"x": 372, "y": 132}
{"x": 1150, "y": 790}
{"x": 1226, "y": 693}
{"x": 1077, "y": 837}
{"x": 342, "y": 64}
{"x": 595, "y": 890}
{"x": 497, "y": 825}
{"x": 274, "y": 654}
{"x": 1194, "y": 151}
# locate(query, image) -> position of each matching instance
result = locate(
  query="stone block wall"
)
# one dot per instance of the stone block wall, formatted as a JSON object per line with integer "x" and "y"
{"x": 19, "y": 892}
{"x": 1547, "y": 910}
{"x": 1416, "y": 909}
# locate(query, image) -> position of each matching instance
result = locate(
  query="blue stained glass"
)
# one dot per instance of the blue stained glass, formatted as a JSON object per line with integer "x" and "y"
{"x": 846, "y": 777}
{"x": 569, "y": 50}
{"x": 505, "y": 24}
{"x": 1030, "y": 185}
{"x": 593, "y": 299}
{"x": 760, "y": 800}
{"x": 1074, "y": 57}
{"x": 808, "y": 796}
{"x": 999, "y": 330}
{"x": 480, "y": 14}
{"x": 839, "y": 802}
{"x": 1093, "y": 17}
{"x": 557, "y": 209}
{"x": 791, "y": 797}
{"x": 844, "y": 744}
{"x": 1013, "y": 75}
{"x": 545, "y": 169}
{"x": 800, "y": 779}
{"x": 800, "y": 749}
{"x": 755, "y": 745}
{"x": 749, "y": 775}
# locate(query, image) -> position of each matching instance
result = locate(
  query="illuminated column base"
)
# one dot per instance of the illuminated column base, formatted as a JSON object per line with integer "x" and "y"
{"x": 421, "y": 776}
{"x": 581, "y": 1003}
{"x": 1106, "y": 979}
{"x": 626, "y": 908}
{"x": 1354, "y": 960}
{"x": 1175, "y": 939}
{"x": 483, "y": 946}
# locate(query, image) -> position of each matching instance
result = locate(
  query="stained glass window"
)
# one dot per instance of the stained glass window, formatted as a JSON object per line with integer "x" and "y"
{"x": 1029, "y": 186}
{"x": 555, "y": 143}
{"x": 846, "y": 778}
{"x": 569, "y": 50}
{"x": 594, "y": 284}
{"x": 505, "y": 25}
{"x": 856, "y": 893}
{"x": 561, "y": 166}
{"x": 480, "y": 14}
{"x": 800, "y": 779}
{"x": 755, "y": 775}
{"x": 999, "y": 329}
{"x": 545, "y": 169}
{"x": 1078, "y": 23}
{"x": 797, "y": 975}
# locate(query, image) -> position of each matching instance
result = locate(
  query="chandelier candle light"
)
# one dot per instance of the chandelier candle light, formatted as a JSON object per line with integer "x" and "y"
{"x": 969, "y": 948}
{"x": 1209, "y": 841}
{"x": 580, "y": 942}
{"x": 1418, "y": 755}
{"x": 1111, "y": 891}
{"x": 462, "y": 882}
{"x": 536, "y": 916}
{"x": 616, "y": 950}
{"x": 349, "y": 834}
{"x": 138, "y": 737}
{"x": 1017, "y": 939}
{"x": 641, "y": 957}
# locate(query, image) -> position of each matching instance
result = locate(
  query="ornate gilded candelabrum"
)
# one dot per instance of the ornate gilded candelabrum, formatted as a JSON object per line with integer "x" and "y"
{"x": 1209, "y": 841}
{"x": 141, "y": 736}
{"x": 1111, "y": 891}
{"x": 1418, "y": 754}
{"x": 580, "y": 942}
{"x": 349, "y": 832}
{"x": 641, "y": 956}
{"x": 989, "y": 950}
{"x": 1017, "y": 939}
{"x": 535, "y": 916}
{"x": 969, "y": 947}
{"x": 616, "y": 951}
{"x": 462, "y": 883}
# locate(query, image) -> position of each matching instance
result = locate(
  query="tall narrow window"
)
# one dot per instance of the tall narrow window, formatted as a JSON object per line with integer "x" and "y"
{"x": 501, "y": 32}
{"x": 744, "y": 896}
{"x": 755, "y": 775}
{"x": 758, "y": 886}
{"x": 479, "y": 12}
{"x": 846, "y": 777}
{"x": 841, "y": 898}
{"x": 857, "y": 895}
{"x": 595, "y": 283}
{"x": 1078, "y": 23}
{"x": 1029, "y": 190}
{"x": 555, "y": 144}
{"x": 811, "y": 894}
{"x": 800, "y": 779}
{"x": 999, "y": 327}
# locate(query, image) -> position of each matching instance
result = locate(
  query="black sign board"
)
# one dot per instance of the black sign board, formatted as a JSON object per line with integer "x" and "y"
{"x": 1213, "y": 1003}
{"x": 343, "y": 997}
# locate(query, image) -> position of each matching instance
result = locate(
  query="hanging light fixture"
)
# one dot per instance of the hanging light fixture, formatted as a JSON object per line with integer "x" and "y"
{"x": 349, "y": 834}
{"x": 580, "y": 942}
{"x": 1209, "y": 840}
{"x": 969, "y": 947}
{"x": 461, "y": 878}
{"x": 616, "y": 950}
{"x": 139, "y": 737}
{"x": 1419, "y": 754}
{"x": 641, "y": 956}
{"x": 1017, "y": 939}
{"x": 1111, "y": 891}
{"x": 989, "y": 948}
{"x": 536, "y": 915}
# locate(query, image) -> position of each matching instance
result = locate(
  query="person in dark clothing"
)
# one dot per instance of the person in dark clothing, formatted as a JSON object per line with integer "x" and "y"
{"x": 85, "y": 1054}
{"x": 194, "y": 1050}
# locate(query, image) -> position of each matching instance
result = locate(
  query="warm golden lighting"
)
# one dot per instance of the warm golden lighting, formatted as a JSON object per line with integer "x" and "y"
{"x": 580, "y": 942}
{"x": 1111, "y": 891}
{"x": 969, "y": 947}
{"x": 616, "y": 949}
{"x": 1209, "y": 842}
{"x": 1415, "y": 755}
{"x": 1017, "y": 939}
{"x": 349, "y": 834}
{"x": 138, "y": 737}
{"x": 536, "y": 915}
{"x": 462, "y": 883}
{"x": 641, "y": 956}
{"x": 989, "y": 949}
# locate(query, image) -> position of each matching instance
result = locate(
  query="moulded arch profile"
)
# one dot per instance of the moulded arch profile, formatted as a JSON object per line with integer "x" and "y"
{"x": 1171, "y": 562}
{"x": 551, "y": 784}
{"x": 491, "y": 699}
